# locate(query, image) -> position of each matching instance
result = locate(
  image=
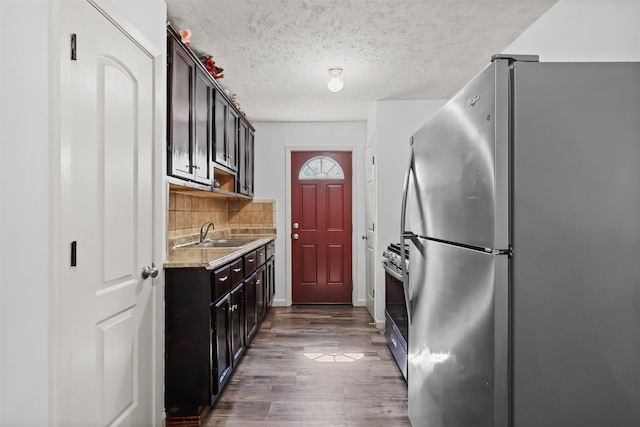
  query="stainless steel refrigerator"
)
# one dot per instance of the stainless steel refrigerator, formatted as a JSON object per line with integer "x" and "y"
{"x": 521, "y": 211}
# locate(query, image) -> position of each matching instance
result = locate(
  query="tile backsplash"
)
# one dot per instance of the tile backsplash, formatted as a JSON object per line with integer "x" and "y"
{"x": 187, "y": 212}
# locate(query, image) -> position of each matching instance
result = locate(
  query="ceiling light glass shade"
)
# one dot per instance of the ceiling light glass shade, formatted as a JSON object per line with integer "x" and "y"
{"x": 335, "y": 83}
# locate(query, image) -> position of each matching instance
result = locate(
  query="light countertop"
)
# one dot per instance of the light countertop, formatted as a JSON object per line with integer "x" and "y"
{"x": 212, "y": 258}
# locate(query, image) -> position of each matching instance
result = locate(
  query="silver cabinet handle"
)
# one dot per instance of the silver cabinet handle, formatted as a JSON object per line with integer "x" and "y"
{"x": 237, "y": 270}
{"x": 223, "y": 279}
{"x": 295, "y": 236}
{"x": 150, "y": 271}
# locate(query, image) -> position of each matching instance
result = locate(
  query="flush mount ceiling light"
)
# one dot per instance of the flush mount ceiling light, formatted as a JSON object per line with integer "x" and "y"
{"x": 335, "y": 83}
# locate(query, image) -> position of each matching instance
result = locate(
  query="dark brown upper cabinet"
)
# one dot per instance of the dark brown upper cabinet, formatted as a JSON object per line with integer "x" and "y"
{"x": 209, "y": 141}
{"x": 189, "y": 109}
{"x": 245, "y": 161}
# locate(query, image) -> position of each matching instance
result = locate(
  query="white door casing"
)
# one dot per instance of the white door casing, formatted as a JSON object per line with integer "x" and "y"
{"x": 370, "y": 219}
{"x": 107, "y": 322}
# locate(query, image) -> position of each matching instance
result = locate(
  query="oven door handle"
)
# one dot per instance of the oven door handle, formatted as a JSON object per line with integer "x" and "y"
{"x": 404, "y": 234}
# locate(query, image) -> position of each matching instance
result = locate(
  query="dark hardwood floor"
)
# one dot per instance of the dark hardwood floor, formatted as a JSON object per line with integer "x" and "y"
{"x": 314, "y": 366}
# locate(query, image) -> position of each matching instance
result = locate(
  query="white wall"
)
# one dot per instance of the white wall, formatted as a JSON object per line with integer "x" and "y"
{"x": 24, "y": 220}
{"x": 584, "y": 30}
{"x": 272, "y": 140}
{"x": 24, "y": 201}
{"x": 393, "y": 123}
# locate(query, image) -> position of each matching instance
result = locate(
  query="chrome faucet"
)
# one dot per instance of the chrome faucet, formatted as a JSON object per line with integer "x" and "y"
{"x": 204, "y": 231}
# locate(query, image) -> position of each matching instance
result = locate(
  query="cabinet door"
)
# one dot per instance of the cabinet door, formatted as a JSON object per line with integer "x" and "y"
{"x": 180, "y": 100}
{"x": 242, "y": 159}
{"x": 202, "y": 128}
{"x": 250, "y": 289}
{"x": 250, "y": 162}
{"x": 220, "y": 129}
{"x": 237, "y": 323}
{"x": 260, "y": 293}
{"x": 221, "y": 345}
{"x": 271, "y": 277}
{"x": 232, "y": 139}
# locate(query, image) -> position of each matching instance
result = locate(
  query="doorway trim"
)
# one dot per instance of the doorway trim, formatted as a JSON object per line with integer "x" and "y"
{"x": 354, "y": 217}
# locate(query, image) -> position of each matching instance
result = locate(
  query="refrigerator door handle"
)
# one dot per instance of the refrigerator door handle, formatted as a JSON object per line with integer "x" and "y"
{"x": 404, "y": 234}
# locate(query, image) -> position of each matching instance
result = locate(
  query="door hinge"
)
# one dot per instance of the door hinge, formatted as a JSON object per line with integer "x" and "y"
{"x": 74, "y": 247}
{"x": 73, "y": 46}
{"x": 373, "y": 226}
{"x": 373, "y": 160}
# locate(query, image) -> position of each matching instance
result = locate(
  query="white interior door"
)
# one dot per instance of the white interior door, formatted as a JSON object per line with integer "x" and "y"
{"x": 370, "y": 218}
{"x": 106, "y": 127}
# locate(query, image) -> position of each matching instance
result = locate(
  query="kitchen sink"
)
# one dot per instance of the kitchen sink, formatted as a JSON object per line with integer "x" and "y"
{"x": 221, "y": 243}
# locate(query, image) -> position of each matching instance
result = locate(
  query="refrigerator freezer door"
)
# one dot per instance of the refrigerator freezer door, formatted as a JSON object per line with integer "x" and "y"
{"x": 576, "y": 234}
{"x": 457, "y": 339}
{"x": 457, "y": 191}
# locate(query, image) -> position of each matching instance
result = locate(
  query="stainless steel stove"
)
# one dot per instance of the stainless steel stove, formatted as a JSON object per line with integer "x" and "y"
{"x": 396, "y": 319}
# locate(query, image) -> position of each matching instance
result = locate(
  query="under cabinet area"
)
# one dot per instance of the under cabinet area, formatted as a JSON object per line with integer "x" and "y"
{"x": 209, "y": 141}
{"x": 211, "y": 316}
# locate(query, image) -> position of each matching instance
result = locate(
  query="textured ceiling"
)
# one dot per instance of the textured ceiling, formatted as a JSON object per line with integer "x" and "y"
{"x": 276, "y": 53}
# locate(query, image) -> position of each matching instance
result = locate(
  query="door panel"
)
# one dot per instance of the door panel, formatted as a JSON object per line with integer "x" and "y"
{"x": 309, "y": 211}
{"x": 335, "y": 264}
{"x": 309, "y": 268}
{"x": 107, "y": 327}
{"x": 321, "y": 206}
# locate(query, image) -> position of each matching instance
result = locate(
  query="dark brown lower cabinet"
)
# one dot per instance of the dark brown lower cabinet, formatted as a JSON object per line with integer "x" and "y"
{"x": 260, "y": 293}
{"x": 221, "y": 350}
{"x": 210, "y": 318}
{"x": 271, "y": 281}
{"x": 236, "y": 327}
{"x": 251, "y": 291}
{"x": 188, "y": 334}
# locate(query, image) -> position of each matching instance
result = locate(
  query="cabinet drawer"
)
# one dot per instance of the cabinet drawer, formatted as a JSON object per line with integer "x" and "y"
{"x": 237, "y": 272}
{"x": 250, "y": 263}
{"x": 221, "y": 282}
{"x": 261, "y": 255}
{"x": 271, "y": 249}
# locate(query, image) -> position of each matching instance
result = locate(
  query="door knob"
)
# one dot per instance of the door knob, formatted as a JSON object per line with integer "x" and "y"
{"x": 296, "y": 225}
{"x": 295, "y": 236}
{"x": 149, "y": 271}
{"x": 364, "y": 237}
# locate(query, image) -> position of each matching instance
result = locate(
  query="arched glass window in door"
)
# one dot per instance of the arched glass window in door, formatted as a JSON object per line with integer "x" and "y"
{"x": 321, "y": 167}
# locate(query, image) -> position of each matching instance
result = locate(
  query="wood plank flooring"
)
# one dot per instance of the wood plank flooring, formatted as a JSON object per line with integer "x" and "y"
{"x": 312, "y": 366}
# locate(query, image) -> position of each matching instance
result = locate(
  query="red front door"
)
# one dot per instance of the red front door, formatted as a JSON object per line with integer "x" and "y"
{"x": 321, "y": 227}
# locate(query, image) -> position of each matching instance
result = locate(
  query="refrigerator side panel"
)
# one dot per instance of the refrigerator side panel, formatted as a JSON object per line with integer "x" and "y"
{"x": 455, "y": 161}
{"x": 451, "y": 335}
{"x": 576, "y": 239}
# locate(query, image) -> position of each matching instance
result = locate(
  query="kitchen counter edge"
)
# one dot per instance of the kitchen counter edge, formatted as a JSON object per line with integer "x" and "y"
{"x": 211, "y": 258}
